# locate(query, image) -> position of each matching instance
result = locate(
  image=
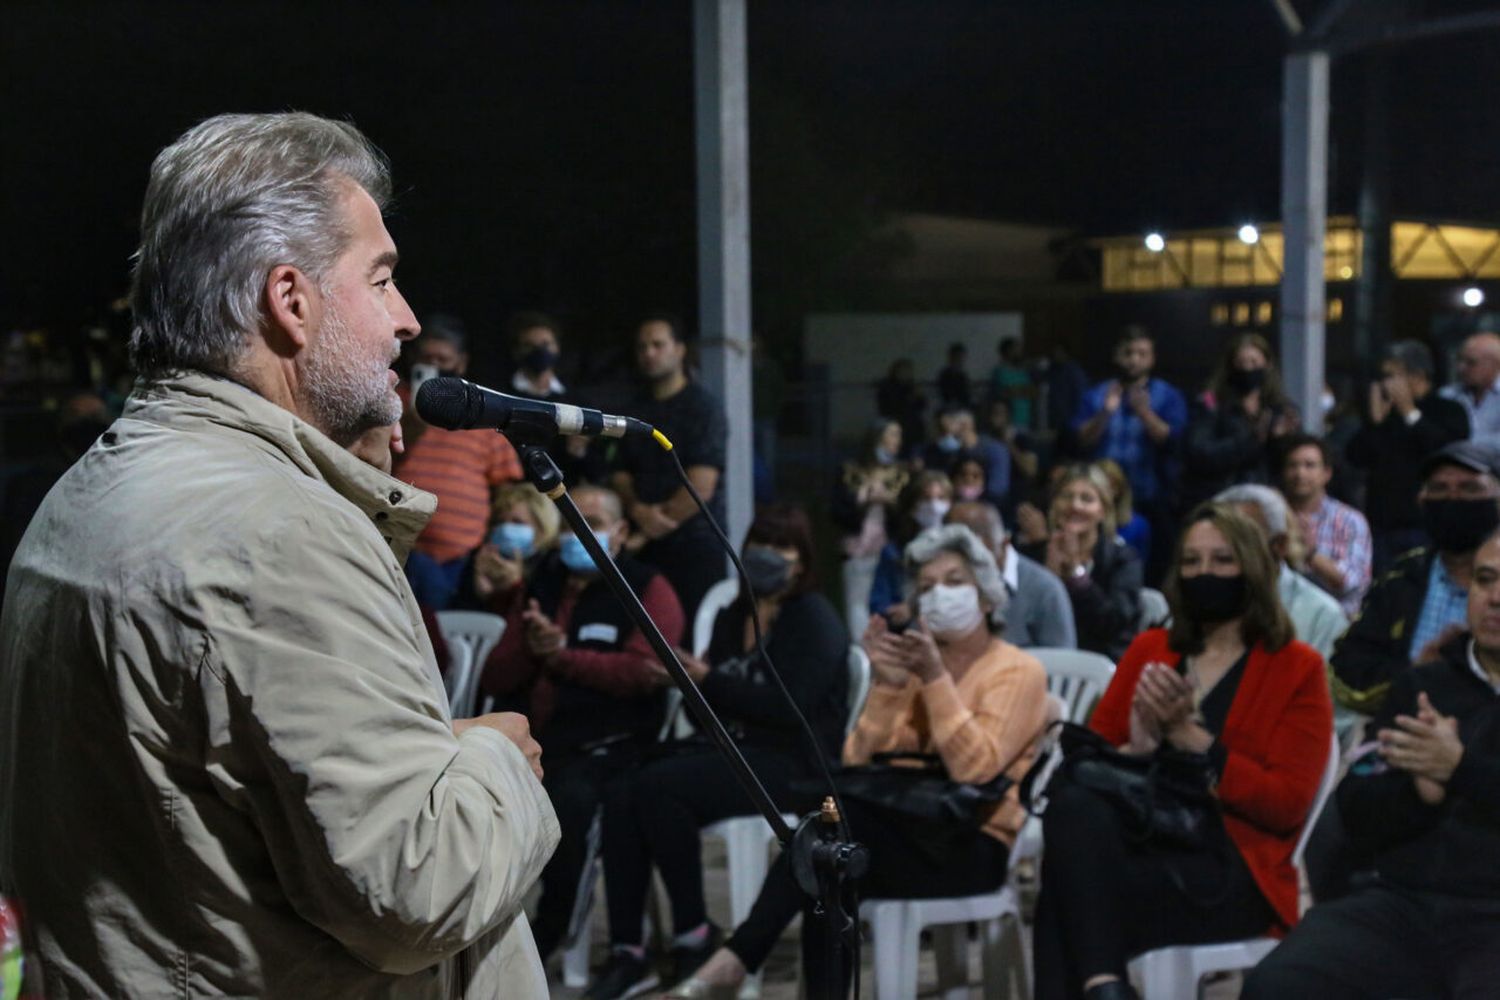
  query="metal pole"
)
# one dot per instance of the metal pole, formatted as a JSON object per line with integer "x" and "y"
{"x": 720, "y": 97}
{"x": 1304, "y": 213}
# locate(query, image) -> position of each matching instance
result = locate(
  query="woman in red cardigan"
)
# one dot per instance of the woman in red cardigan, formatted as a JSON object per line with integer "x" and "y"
{"x": 1228, "y": 681}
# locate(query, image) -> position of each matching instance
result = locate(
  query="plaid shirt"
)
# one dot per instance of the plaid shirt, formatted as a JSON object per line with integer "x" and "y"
{"x": 1125, "y": 439}
{"x": 1445, "y": 603}
{"x": 1342, "y": 534}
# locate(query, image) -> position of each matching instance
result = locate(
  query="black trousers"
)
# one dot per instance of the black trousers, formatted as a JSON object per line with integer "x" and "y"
{"x": 652, "y": 817}
{"x": 1383, "y": 942}
{"x": 902, "y": 866}
{"x": 1105, "y": 900}
{"x": 576, "y": 786}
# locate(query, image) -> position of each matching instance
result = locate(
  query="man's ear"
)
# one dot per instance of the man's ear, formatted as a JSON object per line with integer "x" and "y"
{"x": 293, "y": 304}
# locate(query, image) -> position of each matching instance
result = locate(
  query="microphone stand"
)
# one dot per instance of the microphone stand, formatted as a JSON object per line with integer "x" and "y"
{"x": 822, "y": 862}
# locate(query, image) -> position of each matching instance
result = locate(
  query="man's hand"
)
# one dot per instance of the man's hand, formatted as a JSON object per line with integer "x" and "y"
{"x": 377, "y": 445}
{"x": 887, "y": 656}
{"x": 493, "y": 572}
{"x": 1426, "y": 746}
{"x": 1112, "y": 396}
{"x": 514, "y": 727}
{"x": 544, "y": 640}
{"x": 1432, "y": 652}
{"x": 1140, "y": 401}
{"x": 652, "y": 520}
{"x": 1398, "y": 388}
{"x": 1380, "y": 403}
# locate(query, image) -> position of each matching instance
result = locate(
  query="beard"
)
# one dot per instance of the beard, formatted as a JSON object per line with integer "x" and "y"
{"x": 347, "y": 390}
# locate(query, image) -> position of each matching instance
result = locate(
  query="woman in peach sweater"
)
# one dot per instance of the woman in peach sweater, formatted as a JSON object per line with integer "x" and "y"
{"x": 946, "y": 686}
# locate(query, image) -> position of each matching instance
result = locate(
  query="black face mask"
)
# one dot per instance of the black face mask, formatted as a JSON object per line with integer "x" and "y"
{"x": 1460, "y": 525}
{"x": 1212, "y": 599}
{"x": 538, "y": 360}
{"x": 1246, "y": 381}
{"x": 769, "y": 571}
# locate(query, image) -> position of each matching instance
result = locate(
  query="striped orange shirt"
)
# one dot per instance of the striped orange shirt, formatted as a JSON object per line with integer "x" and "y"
{"x": 461, "y": 467}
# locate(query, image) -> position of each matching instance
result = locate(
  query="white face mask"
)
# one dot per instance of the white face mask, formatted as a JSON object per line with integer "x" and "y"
{"x": 930, "y": 513}
{"x": 951, "y": 611}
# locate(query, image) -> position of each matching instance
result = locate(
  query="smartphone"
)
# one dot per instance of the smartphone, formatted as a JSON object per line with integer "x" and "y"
{"x": 895, "y": 627}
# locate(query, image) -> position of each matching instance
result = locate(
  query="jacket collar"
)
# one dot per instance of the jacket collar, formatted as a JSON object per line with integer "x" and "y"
{"x": 398, "y": 510}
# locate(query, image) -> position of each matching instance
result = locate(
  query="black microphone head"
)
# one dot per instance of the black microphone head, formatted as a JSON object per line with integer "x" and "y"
{"x": 448, "y": 402}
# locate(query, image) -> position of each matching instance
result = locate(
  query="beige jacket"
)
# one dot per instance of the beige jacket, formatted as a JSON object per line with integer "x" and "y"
{"x": 226, "y": 761}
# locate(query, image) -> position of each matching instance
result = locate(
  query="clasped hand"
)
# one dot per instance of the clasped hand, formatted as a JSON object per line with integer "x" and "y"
{"x": 897, "y": 656}
{"x": 544, "y": 640}
{"x": 1163, "y": 709}
{"x": 1425, "y": 746}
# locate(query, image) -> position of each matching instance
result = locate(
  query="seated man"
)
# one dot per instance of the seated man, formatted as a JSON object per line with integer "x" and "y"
{"x": 1416, "y": 607}
{"x": 1038, "y": 612}
{"x": 573, "y": 662}
{"x": 1315, "y": 614}
{"x": 1426, "y": 802}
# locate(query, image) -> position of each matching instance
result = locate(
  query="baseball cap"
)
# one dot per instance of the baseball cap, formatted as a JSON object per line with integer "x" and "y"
{"x": 1476, "y": 456}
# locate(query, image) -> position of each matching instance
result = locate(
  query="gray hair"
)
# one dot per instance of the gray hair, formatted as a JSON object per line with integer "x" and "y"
{"x": 1413, "y": 355}
{"x": 958, "y": 539}
{"x": 1271, "y": 503}
{"x": 232, "y": 198}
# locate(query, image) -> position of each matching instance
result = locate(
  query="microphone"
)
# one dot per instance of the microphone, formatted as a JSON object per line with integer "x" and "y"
{"x": 457, "y": 404}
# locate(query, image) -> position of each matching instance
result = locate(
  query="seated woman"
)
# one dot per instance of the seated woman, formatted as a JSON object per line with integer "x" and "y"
{"x": 654, "y": 815}
{"x": 523, "y": 528}
{"x": 1103, "y": 574}
{"x": 946, "y": 686}
{"x": 1227, "y": 681}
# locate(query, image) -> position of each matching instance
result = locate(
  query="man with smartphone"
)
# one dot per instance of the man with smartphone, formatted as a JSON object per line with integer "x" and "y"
{"x": 1407, "y": 422}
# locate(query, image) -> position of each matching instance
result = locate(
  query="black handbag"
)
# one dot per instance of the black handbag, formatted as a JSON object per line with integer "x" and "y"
{"x": 1166, "y": 798}
{"x": 921, "y": 789}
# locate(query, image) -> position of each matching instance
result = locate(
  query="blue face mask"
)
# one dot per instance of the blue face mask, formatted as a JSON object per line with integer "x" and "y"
{"x": 576, "y": 557}
{"x": 948, "y": 442}
{"x": 883, "y": 457}
{"x": 514, "y": 540}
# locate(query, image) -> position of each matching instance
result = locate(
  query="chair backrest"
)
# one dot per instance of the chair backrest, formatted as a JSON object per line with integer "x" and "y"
{"x": 1154, "y": 610}
{"x": 1076, "y": 676}
{"x": 480, "y": 631}
{"x": 859, "y": 683}
{"x": 719, "y": 597}
{"x": 461, "y": 668}
{"x": 1325, "y": 789}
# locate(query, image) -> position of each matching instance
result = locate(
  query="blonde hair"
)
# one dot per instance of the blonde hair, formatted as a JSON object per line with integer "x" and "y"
{"x": 1096, "y": 477}
{"x": 542, "y": 511}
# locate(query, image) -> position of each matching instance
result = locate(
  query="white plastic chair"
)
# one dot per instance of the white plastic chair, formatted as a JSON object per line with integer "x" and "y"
{"x": 720, "y": 596}
{"x": 1171, "y": 973}
{"x": 1154, "y": 610}
{"x": 859, "y": 684}
{"x": 479, "y": 631}
{"x": 1077, "y": 676}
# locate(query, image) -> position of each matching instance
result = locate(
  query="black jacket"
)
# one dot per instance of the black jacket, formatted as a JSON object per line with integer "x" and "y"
{"x": 1449, "y": 848}
{"x": 1377, "y": 646}
{"x": 1221, "y": 448}
{"x": 1392, "y": 452}
{"x": 1106, "y": 602}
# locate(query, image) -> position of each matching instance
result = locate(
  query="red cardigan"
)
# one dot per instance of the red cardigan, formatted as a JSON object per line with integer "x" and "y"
{"x": 1278, "y": 735}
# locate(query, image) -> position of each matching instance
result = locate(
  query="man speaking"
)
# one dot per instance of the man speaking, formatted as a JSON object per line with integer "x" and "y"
{"x": 227, "y": 765}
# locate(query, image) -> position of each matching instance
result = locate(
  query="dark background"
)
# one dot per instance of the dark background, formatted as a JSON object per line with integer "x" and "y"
{"x": 544, "y": 152}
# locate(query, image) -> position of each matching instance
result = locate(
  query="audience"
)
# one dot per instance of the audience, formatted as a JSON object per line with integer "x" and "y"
{"x": 536, "y": 352}
{"x": 898, "y": 398}
{"x": 1336, "y": 537}
{"x": 573, "y": 663}
{"x": 1137, "y": 421}
{"x": 925, "y": 503}
{"x": 1011, "y": 383}
{"x": 671, "y": 533}
{"x": 1407, "y": 422}
{"x": 1024, "y": 460}
{"x": 1227, "y": 681}
{"x": 1316, "y": 617}
{"x": 463, "y": 468}
{"x": 1235, "y": 424}
{"x": 1477, "y": 389}
{"x": 523, "y": 529}
{"x": 1426, "y": 804}
{"x": 1419, "y": 605}
{"x": 1132, "y": 528}
{"x": 953, "y": 381}
{"x": 1101, "y": 573}
{"x": 652, "y": 817}
{"x": 864, "y": 508}
{"x": 959, "y": 439}
{"x": 1037, "y": 610}
{"x": 949, "y": 688}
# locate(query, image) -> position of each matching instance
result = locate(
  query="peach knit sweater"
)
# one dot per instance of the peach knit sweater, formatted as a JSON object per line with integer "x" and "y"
{"x": 977, "y": 724}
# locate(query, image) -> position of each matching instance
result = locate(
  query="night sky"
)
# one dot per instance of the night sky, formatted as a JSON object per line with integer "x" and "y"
{"x": 544, "y": 152}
